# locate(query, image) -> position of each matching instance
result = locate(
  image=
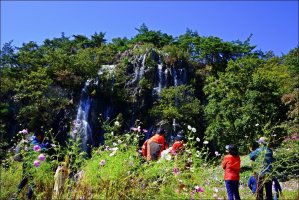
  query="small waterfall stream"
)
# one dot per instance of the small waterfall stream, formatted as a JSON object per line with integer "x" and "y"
{"x": 160, "y": 76}
{"x": 87, "y": 126}
{"x": 81, "y": 125}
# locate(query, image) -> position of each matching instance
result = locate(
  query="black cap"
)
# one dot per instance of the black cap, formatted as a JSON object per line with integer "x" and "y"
{"x": 232, "y": 149}
{"x": 160, "y": 131}
{"x": 180, "y": 136}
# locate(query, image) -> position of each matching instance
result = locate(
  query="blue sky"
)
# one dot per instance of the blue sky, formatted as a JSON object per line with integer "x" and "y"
{"x": 274, "y": 24}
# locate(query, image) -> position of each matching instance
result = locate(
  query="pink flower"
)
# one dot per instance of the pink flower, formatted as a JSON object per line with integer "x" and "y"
{"x": 175, "y": 171}
{"x": 24, "y": 131}
{"x": 102, "y": 162}
{"x": 36, "y": 148}
{"x": 36, "y": 163}
{"x": 173, "y": 152}
{"x": 198, "y": 189}
{"x": 215, "y": 195}
{"x": 41, "y": 157}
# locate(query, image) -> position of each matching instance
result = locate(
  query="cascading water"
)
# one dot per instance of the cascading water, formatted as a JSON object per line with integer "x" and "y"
{"x": 138, "y": 74}
{"x": 81, "y": 125}
{"x": 159, "y": 83}
{"x": 160, "y": 66}
{"x": 175, "y": 78}
{"x": 112, "y": 82}
{"x": 141, "y": 72}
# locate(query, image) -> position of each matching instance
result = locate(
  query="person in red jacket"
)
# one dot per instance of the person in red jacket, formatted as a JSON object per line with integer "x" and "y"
{"x": 155, "y": 145}
{"x": 231, "y": 165}
{"x": 178, "y": 145}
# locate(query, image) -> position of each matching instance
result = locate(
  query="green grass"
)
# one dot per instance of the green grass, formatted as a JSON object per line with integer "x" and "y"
{"x": 125, "y": 176}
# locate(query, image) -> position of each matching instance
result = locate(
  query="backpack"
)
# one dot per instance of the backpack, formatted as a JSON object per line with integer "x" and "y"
{"x": 155, "y": 149}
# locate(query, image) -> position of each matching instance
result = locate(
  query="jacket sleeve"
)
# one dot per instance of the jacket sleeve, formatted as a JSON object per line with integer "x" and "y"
{"x": 224, "y": 162}
{"x": 254, "y": 154}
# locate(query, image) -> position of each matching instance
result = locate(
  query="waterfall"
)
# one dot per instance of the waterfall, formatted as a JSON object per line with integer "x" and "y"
{"x": 175, "y": 78}
{"x": 160, "y": 66}
{"x": 159, "y": 84}
{"x": 112, "y": 82}
{"x": 138, "y": 70}
{"x": 81, "y": 125}
{"x": 175, "y": 84}
{"x": 141, "y": 72}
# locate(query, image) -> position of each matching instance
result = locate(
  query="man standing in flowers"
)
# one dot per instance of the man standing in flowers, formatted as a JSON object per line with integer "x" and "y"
{"x": 264, "y": 156}
{"x": 231, "y": 164}
{"x": 38, "y": 143}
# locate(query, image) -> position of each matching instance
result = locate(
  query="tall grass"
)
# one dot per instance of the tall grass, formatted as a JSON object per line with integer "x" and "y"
{"x": 118, "y": 172}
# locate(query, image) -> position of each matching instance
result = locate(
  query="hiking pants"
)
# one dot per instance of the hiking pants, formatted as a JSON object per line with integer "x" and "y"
{"x": 261, "y": 183}
{"x": 232, "y": 188}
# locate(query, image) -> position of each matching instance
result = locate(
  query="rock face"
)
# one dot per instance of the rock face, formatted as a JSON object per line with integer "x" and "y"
{"x": 143, "y": 77}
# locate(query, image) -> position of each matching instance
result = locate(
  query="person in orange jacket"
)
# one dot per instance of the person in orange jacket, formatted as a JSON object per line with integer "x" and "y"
{"x": 155, "y": 145}
{"x": 178, "y": 145}
{"x": 231, "y": 165}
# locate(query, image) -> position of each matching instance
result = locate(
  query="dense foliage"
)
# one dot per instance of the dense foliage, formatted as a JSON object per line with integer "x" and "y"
{"x": 228, "y": 91}
{"x": 232, "y": 91}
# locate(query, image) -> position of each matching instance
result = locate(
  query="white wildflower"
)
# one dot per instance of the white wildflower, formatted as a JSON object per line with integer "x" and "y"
{"x": 113, "y": 153}
{"x": 197, "y": 139}
{"x": 113, "y": 149}
{"x": 116, "y": 123}
{"x": 193, "y": 130}
{"x": 216, "y": 190}
{"x": 189, "y": 127}
{"x": 206, "y": 142}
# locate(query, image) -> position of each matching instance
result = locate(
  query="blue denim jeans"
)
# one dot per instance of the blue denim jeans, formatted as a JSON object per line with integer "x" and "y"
{"x": 232, "y": 188}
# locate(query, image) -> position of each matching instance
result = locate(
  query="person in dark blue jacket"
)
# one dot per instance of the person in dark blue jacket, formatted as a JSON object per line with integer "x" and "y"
{"x": 264, "y": 156}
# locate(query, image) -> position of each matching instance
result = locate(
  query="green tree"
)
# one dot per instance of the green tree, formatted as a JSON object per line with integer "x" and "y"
{"x": 30, "y": 56}
{"x": 8, "y": 56}
{"x": 98, "y": 39}
{"x": 245, "y": 100}
{"x": 177, "y": 103}
{"x": 31, "y": 94}
{"x": 120, "y": 44}
{"x": 157, "y": 38}
{"x": 173, "y": 54}
{"x": 291, "y": 60}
